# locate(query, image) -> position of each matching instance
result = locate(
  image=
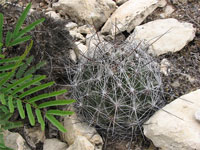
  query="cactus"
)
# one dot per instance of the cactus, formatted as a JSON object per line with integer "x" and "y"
{"x": 117, "y": 89}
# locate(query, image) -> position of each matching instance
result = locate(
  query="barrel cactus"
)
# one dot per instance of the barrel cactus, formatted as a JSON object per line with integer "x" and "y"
{"x": 117, "y": 88}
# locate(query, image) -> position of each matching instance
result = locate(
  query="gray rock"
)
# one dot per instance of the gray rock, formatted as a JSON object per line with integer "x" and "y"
{"x": 129, "y": 15}
{"x": 91, "y": 11}
{"x": 81, "y": 143}
{"x": 15, "y": 141}
{"x": 174, "y": 127}
{"x": 165, "y": 35}
{"x": 76, "y": 128}
{"x": 54, "y": 144}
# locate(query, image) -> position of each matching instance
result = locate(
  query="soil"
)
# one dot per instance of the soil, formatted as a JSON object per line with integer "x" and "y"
{"x": 184, "y": 75}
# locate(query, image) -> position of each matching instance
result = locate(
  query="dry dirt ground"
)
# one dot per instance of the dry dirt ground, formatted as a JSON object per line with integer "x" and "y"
{"x": 184, "y": 76}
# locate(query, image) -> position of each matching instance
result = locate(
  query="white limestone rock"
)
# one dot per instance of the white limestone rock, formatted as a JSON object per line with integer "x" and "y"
{"x": 71, "y": 25}
{"x": 81, "y": 143}
{"x": 76, "y": 128}
{"x": 168, "y": 10}
{"x": 165, "y": 67}
{"x": 165, "y": 35}
{"x": 87, "y": 11}
{"x": 120, "y": 2}
{"x": 15, "y": 141}
{"x": 176, "y": 128}
{"x": 129, "y": 15}
{"x": 83, "y": 49}
{"x": 54, "y": 144}
{"x": 86, "y": 29}
{"x": 34, "y": 135}
{"x": 76, "y": 35}
{"x": 53, "y": 14}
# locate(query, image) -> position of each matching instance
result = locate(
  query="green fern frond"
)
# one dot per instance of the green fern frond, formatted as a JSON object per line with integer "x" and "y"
{"x": 23, "y": 68}
{"x": 2, "y": 99}
{"x": 35, "y": 89}
{"x": 19, "y": 86}
{"x": 21, "y": 20}
{"x": 40, "y": 119}
{"x": 16, "y": 83}
{"x": 28, "y": 84}
{"x": 55, "y": 122}
{"x": 20, "y": 109}
{"x": 56, "y": 103}
{"x": 10, "y": 104}
{"x": 4, "y": 80}
{"x": 59, "y": 112}
{"x": 9, "y": 60}
{"x": 1, "y": 29}
{"x": 30, "y": 114}
{"x": 29, "y": 27}
{"x": 46, "y": 95}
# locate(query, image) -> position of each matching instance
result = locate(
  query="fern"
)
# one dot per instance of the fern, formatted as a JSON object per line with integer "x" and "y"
{"x": 19, "y": 86}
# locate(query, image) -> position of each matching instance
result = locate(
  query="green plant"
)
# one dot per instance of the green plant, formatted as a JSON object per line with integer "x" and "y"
{"x": 19, "y": 86}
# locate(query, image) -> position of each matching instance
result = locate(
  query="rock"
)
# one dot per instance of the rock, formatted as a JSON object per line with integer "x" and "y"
{"x": 179, "y": 1}
{"x": 83, "y": 49}
{"x": 53, "y": 14}
{"x": 76, "y": 35}
{"x": 165, "y": 67}
{"x": 86, "y": 29}
{"x": 76, "y": 128}
{"x": 120, "y": 2}
{"x": 168, "y": 10}
{"x": 165, "y": 35}
{"x": 15, "y": 141}
{"x": 81, "y": 143}
{"x": 176, "y": 128}
{"x": 71, "y": 25}
{"x": 87, "y": 11}
{"x": 34, "y": 135}
{"x": 73, "y": 55}
{"x": 129, "y": 15}
{"x": 197, "y": 115}
{"x": 94, "y": 42}
{"x": 54, "y": 144}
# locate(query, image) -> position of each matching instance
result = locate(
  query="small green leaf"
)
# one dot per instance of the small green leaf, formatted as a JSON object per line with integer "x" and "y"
{"x": 28, "y": 84}
{"x": 2, "y": 75}
{"x": 9, "y": 60}
{"x": 55, "y": 122}
{"x": 6, "y": 116}
{"x": 13, "y": 125}
{"x": 46, "y": 95}
{"x": 2, "y": 56}
{"x": 20, "y": 109}
{"x": 10, "y": 74}
{"x": 29, "y": 27}
{"x": 20, "y": 40}
{"x": 40, "y": 119}
{"x": 24, "y": 67}
{"x": 59, "y": 112}
{"x": 35, "y": 89}
{"x": 18, "y": 82}
{"x": 2, "y": 98}
{"x": 56, "y": 103}
{"x": 21, "y": 20}
{"x": 8, "y": 38}
{"x": 4, "y": 109}
{"x": 1, "y": 29}
{"x": 30, "y": 114}
{"x": 10, "y": 104}
{"x": 7, "y": 67}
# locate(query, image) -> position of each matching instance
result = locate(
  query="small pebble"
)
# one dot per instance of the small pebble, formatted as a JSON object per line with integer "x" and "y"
{"x": 197, "y": 115}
